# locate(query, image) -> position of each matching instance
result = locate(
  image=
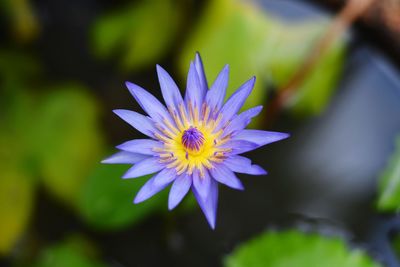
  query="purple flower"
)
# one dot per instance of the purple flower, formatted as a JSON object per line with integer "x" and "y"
{"x": 195, "y": 142}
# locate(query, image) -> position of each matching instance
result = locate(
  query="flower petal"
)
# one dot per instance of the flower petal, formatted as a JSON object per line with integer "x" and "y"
{"x": 225, "y": 176}
{"x": 260, "y": 137}
{"x": 209, "y": 205}
{"x": 239, "y": 146}
{"x": 169, "y": 89}
{"x": 216, "y": 95}
{"x": 148, "y": 102}
{"x": 144, "y": 167}
{"x": 178, "y": 190}
{"x": 194, "y": 92}
{"x": 141, "y": 146}
{"x": 236, "y": 101}
{"x": 138, "y": 121}
{"x": 256, "y": 170}
{"x": 243, "y": 165}
{"x": 202, "y": 184}
{"x": 148, "y": 190}
{"x": 164, "y": 177}
{"x": 240, "y": 122}
{"x": 198, "y": 63}
{"x": 124, "y": 157}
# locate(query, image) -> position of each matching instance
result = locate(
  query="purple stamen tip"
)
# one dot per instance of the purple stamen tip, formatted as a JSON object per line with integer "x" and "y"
{"x": 192, "y": 139}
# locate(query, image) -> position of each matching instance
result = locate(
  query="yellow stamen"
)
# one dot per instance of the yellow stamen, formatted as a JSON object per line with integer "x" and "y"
{"x": 178, "y": 121}
{"x": 183, "y": 116}
{"x": 173, "y": 164}
{"x": 171, "y": 127}
{"x": 206, "y": 114}
{"x": 186, "y": 159}
{"x": 162, "y": 137}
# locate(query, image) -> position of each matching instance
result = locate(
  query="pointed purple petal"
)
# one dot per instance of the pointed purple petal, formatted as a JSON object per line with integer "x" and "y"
{"x": 236, "y": 160}
{"x": 240, "y": 122}
{"x": 225, "y": 176}
{"x": 198, "y": 63}
{"x": 141, "y": 146}
{"x": 148, "y": 190}
{"x": 124, "y": 157}
{"x": 194, "y": 92}
{"x": 243, "y": 165}
{"x": 138, "y": 121}
{"x": 239, "y": 146}
{"x": 256, "y": 170}
{"x": 202, "y": 184}
{"x": 164, "y": 177}
{"x": 178, "y": 190}
{"x": 260, "y": 137}
{"x": 209, "y": 205}
{"x": 144, "y": 167}
{"x": 169, "y": 89}
{"x": 148, "y": 102}
{"x": 236, "y": 101}
{"x": 215, "y": 96}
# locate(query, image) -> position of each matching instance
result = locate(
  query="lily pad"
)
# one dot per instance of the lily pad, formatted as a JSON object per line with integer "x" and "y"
{"x": 74, "y": 252}
{"x": 16, "y": 202}
{"x": 18, "y": 166}
{"x": 294, "y": 248}
{"x": 68, "y": 140}
{"x": 106, "y": 200}
{"x": 140, "y": 34}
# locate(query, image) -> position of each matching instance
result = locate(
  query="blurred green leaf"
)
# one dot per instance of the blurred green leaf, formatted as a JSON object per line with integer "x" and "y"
{"x": 294, "y": 248}
{"x": 74, "y": 252}
{"x": 254, "y": 43}
{"x": 68, "y": 140}
{"x": 229, "y": 32}
{"x": 389, "y": 183}
{"x": 17, "y": 165}
{"x": 140, "y": 33}
{"x": 295, "y": 44}
{"x": 106, "y": 200}
{"x": 16, "y": 202}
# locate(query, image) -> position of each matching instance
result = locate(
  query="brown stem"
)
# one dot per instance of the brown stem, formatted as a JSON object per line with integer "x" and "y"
{"x": 350, "y": 12}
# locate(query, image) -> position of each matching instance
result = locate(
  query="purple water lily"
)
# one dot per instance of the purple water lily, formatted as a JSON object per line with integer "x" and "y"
{"x": 195, "y": 142}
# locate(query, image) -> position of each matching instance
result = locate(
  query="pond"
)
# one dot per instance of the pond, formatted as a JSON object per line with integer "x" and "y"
{"x": 325, "y": 180}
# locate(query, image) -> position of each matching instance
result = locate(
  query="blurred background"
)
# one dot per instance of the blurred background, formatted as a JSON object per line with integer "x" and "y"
{"x": 327, "y": 72}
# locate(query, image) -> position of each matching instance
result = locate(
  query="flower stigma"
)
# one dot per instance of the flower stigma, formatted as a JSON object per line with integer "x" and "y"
{"x": 192, "y": 139}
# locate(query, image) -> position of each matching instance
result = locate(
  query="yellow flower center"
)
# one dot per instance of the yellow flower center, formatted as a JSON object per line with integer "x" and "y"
{"x": 193, "y": 144}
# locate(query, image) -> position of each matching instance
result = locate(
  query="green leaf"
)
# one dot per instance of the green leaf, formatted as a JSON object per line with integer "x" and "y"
{"x": 227, "y": 33}
{"x": 140, "y": 33}
{"x": 17, "y": 186}
{"x": 294, "y": 248}
{"x": 74, "y": 252}
{"x": 68, "y": 140}
{"x": 106, "y": 199}
{"x": 255, "y": 43}
{"x": 389, "y": 183}
{"x": 18, "y": 164}
{"x": 16, "y": 202}
{"x": 294, "y": 45}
